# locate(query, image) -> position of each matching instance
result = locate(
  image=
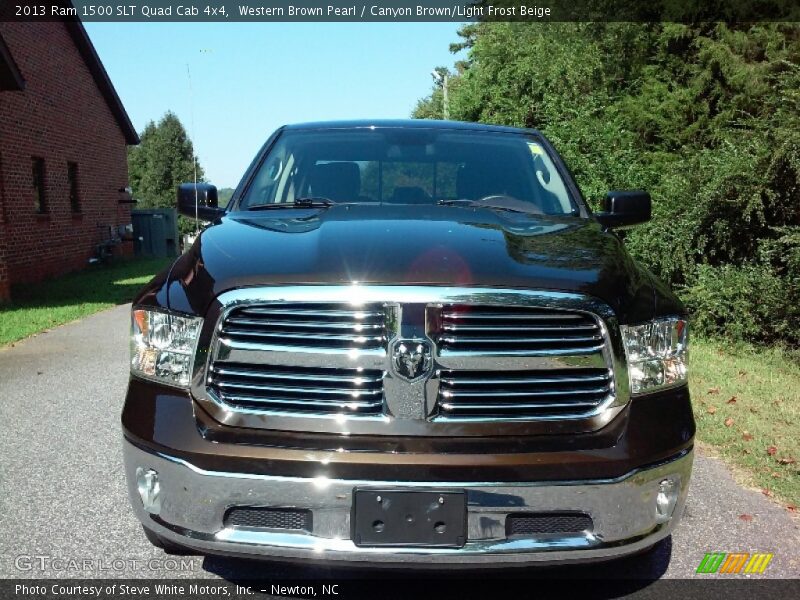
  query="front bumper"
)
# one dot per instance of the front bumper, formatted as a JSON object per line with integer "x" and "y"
{"x": 193, "y": 502}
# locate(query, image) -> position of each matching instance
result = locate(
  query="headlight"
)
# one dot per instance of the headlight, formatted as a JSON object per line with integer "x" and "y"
{"x": 163, "y": 345}
{"x": 656, "y": 354}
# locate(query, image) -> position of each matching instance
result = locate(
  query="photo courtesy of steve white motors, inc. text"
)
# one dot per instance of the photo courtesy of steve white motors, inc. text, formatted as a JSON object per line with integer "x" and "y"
{"x": 178, "y": 590}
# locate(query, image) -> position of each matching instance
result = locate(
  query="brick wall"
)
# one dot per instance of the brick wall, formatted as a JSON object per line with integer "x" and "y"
{"x": 61, "y": 117}
{"x": 5, "y": 286}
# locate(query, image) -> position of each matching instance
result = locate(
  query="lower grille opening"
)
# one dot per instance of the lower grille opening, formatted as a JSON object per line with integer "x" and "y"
{"x": 256, "y": 517}
{"x": 533, "y": 524}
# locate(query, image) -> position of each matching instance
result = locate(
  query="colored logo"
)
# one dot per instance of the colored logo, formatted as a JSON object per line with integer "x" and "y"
{"x": 734, "y": 562}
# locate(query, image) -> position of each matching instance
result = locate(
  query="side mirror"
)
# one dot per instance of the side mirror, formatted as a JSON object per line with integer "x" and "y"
{"x": 622, "y": 209}
{"x": 205, "y": 197}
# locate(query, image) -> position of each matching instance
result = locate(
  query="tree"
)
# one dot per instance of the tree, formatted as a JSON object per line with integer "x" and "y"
{"x": 224, "y": 195}
{"x": 163, "y": 160}
{"x": 704, "y": 115}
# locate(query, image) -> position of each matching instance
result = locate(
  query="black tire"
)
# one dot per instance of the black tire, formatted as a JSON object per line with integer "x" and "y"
{"x": 166, "y": 545}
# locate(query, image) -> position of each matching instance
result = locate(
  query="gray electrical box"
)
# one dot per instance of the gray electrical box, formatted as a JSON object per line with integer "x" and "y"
{"x": 155, "y": 232}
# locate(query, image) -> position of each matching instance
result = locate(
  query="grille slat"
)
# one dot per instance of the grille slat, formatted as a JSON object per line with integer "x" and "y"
{"x": 336, "y": 326}
{"x": 251, "y": 374}
{"x": 294, "y": 405}
{"x": 327, "y": 313}
{"x": 298, "y": 389}
{"x": 531, "y": 315}
{"x": 513, "y": 407}
{"x": 504, "y": 379}
{"x": 301, "y": 390}
{"x": 518, "y": 340}
{"x": 490, "y": 329}
{"x": 308, "y": 324}
{"x": 517, "y": 328}
{"x": 299, "y": 338}
{"x": 523, "y": 394}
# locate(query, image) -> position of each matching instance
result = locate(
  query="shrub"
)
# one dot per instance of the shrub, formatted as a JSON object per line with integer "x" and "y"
{"x": 748, "y": 303}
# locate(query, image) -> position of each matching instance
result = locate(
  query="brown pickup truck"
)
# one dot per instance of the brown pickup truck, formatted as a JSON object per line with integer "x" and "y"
{"x": 408, "y": 342}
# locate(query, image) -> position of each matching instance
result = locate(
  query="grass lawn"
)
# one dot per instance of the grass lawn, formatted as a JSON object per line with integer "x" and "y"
{"x": 747, "y": 406}
{"x": 41, "y": 306}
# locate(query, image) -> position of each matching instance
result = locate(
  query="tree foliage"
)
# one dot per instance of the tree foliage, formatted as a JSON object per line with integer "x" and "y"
{"x": 162, "y": 161}
{"x": 705, "y": 116}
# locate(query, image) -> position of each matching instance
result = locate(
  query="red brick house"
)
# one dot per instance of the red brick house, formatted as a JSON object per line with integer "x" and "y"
{"x": 63, "y": 151}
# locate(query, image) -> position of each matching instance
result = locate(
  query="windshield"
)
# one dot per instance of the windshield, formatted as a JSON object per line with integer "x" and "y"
{"x": 409, "y": 166}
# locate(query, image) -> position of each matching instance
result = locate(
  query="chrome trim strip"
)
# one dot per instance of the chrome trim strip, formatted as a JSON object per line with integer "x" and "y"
{"x": 410, "y": 408}
{"x": 325, "y": 482}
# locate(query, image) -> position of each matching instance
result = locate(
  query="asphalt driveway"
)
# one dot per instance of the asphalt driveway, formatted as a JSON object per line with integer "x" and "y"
{"x": 64, "y": 509}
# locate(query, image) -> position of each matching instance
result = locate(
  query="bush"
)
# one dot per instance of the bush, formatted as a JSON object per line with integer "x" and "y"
{"x": 705, "y": 116}
{"x": 748, "y": 303}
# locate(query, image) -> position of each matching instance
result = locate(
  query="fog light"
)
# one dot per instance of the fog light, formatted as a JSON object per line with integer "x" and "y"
{"x": 666, "y": 499}
{"x": 149, "y": 489}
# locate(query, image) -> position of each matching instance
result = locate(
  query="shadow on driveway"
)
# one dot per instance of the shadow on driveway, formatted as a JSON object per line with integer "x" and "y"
{"x": 627, "y": 575}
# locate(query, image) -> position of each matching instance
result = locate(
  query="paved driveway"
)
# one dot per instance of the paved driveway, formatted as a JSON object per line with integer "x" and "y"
{"x": 63, "y": 494}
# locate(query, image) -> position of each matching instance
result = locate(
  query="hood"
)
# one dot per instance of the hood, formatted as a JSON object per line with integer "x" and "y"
{"x": 423, "y": 245}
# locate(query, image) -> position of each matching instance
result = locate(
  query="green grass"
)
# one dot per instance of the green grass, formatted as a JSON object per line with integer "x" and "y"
{"x": 41, "y": 306}
{"x": 747, "y": 406}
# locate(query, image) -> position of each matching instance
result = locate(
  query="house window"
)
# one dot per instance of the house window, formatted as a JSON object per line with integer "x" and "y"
{"x": 39, "y": 198}
{"x": 72, "y": 178}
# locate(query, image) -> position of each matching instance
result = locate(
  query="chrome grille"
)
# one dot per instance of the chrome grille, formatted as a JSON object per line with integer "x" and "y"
{"x": 523, "y": 394}
{"x": 298, "y": 390}
{"x": 315, "y": 324}
{"x": 515, "y": 329}
{"x": 328, "y": 359}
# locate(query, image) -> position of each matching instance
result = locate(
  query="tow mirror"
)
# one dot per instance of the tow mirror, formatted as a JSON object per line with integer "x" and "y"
{"x": 625, "y": 208}
{"x": 199, "y": 200}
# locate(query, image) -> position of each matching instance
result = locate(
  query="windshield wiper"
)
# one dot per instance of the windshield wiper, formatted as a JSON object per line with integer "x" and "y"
{"x": 506, "y": 203}
{"x": 306, "y": 202}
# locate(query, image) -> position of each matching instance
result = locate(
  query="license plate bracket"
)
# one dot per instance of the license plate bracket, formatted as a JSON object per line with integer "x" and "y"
{"x": 409, "y": 518}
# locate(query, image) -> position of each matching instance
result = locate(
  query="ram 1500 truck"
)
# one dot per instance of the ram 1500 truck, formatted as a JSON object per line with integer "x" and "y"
{"x": 408, "y": 342}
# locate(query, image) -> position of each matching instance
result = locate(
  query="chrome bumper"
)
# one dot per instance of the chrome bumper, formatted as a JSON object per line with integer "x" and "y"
{"x": 193, "y": 502}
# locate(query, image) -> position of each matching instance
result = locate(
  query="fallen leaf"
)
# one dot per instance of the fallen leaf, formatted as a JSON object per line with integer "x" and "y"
{"x": 753, "y": 410}
{"x": 787, "y": 461}
{"x": 775, "y": 475}
{"x": 728, "y": 421}
{"x": 713, "y": 390}
{"x": 767, "y": 493}
{"x": 732, "y": 400}
{"x": 791, "y": 507}
{"x": 745, "y": 517}
{"x": 747, "y": 436}
{"x": 742, "y": 373}
{"x": 772, "y": 450}
{"x": 711, "y": 410}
